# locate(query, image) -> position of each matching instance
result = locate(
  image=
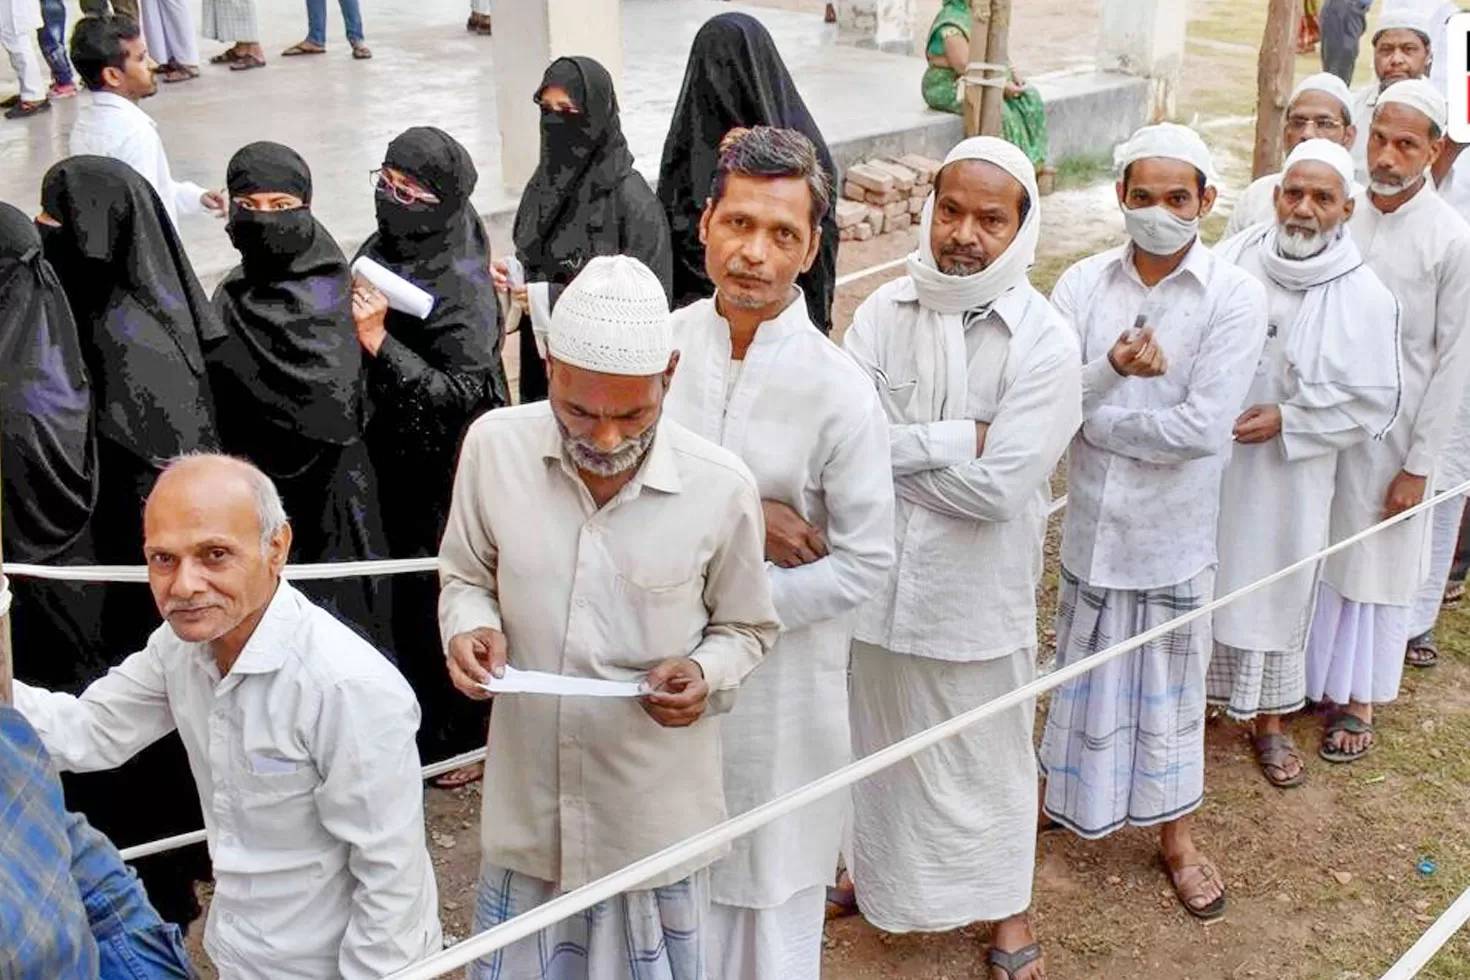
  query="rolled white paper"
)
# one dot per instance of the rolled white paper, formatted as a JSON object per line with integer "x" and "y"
{"x": 538, "y": 682}
{"x": 402, "y": 295}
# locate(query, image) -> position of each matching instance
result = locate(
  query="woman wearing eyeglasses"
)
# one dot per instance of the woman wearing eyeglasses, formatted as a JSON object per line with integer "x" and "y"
{"x": 584, "y": 200}
{"x": 426, "y": 381}
{"x": 287, "y": 380}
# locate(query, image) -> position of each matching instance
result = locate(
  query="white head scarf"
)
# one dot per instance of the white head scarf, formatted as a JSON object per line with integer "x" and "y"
{"x": 1168, "y": 141}
{"x": 963, "y": 294}
{"x": 1323, "y": 151}
{"x": 1330, "y": 84}
{"x": 1416, "y": 93}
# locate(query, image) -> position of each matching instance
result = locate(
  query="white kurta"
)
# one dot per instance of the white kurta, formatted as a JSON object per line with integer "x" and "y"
{"x": 1422, "y": 253}
{"x": 1277, "y": 496}
{"x": 807, "y": 423}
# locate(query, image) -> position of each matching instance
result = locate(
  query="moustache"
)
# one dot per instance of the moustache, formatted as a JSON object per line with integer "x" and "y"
{"x": 186, "y": 607}
{"x": 739, "y": 270}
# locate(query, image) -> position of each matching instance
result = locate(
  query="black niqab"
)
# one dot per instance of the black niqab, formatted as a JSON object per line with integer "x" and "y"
{"x": 49, "y": 453}
{"x": 735, "y": 78}
{"x": 584, "y": 159}
{"x": 292, "y": 352}
{"x": 144, "y": 320}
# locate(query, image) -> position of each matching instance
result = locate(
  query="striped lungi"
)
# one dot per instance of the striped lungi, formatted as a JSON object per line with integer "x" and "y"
{"x": 230, "y": 21}
{"x": 655, "y": 934}
{"x": 1125, "y": 743}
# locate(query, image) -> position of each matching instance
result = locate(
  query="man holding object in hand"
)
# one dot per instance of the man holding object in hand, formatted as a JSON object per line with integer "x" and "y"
{"x": 644, "y": 558}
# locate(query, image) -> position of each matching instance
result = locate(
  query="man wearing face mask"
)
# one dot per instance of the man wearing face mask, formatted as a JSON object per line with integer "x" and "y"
{"x": 1170, "y": 336}
{"x": 1402, "y": 49}
{"x": 980, "y": 383}
{"x": 592, "y": 538}
{"x": 1420, "y": 247}
{"x": 287, "y": 381}
{"x": 1328, "y": 380}
{"x": 1319, "y": 108}
{"x": 584, "y": 200}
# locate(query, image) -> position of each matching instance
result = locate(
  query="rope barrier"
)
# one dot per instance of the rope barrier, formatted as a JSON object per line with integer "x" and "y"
{"x": 297, "y": 573}
{"x": 628, "y": 878}
{"x": 4, "y": 596}
{"x": 1433, "y": 940}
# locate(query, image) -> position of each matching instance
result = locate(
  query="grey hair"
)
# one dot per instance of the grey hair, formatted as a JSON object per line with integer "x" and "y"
{"x": 269, "y": 510}
{"x": 769, "y": 152}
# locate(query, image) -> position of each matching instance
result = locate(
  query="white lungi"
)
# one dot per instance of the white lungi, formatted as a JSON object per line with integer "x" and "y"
{"x": 947, "y": 837}
{"x": 230, "y": 21}
{"x": 480, "y": 6}
{"x": 19, "y": 21}
{"x": 783, "y": 942}
{"x": 1444, "y": 538}
{"x": 1355, "y": 651}
{"x": 169, "y": 27}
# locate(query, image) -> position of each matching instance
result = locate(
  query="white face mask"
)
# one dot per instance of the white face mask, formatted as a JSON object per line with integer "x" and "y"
{"x": 1159, "y": 231}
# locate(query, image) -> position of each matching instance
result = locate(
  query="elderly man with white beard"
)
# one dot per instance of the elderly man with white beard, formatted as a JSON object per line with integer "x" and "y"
{"x": 1320, "y": 107}
{"x": 980, "y": 381}
{"x": 1420, "y": 247}
{"x": 1328, "y": 379}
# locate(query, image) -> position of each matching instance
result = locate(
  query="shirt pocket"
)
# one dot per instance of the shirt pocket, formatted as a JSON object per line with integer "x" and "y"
{"x": 662, "y": 617}
{"x": 278, "y": 803}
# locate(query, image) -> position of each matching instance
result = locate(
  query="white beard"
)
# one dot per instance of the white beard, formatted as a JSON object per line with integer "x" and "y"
{"x": 1292, "y": 245}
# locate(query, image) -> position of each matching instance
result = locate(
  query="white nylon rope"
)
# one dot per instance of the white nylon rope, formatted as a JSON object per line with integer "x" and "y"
{"x": 581, "y": 899}
{"x": 1433, "y": 940}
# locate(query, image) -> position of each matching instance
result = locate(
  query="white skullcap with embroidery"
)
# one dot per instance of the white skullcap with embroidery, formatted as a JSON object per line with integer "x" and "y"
{"x": 1416, "y": 93}
{"x": 1324, "y": 151}
{"x": 1330, "y": 84}
{"x": 1169, "y": 141}
{"x": 613, "y": 319}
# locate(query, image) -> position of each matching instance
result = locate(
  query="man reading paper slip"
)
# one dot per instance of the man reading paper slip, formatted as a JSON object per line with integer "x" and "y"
{"x": 592, "y": 538}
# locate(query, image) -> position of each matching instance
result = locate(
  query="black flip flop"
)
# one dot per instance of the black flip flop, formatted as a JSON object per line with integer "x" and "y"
{"x": 1013, "y": 963}
{"x": 1352, "y": 725}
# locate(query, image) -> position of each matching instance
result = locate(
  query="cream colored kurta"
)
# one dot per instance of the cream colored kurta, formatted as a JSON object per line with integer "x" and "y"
{"x": 1277, "y": 496}
{"x": 1422, "y": 253}
{"x": 576, "y": 788}
{"x": 807, "y": 422}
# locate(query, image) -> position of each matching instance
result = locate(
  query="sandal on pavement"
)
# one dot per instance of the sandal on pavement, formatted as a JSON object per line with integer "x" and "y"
{"x": 1011, "y": 964}
{"x": 24, "y": 110}
{"x": 1422, "y": 651}
{"x": 302, "y": 47}
{"x": 246, "y": 62}
{"x": 1350, "y": 725}
{"x": 179, "y": 73}
{"x": 1188, "y": 882}
{"x": 226, "y": 57}
{"x": 361, "y": 52}
{"x": 1274, "y": 753}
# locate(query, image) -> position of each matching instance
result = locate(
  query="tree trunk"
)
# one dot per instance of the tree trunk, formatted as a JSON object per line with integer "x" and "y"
{"x": 979, "y": 42}
{"x": 1274, "y": 73}
{"x": 997, "y": 50}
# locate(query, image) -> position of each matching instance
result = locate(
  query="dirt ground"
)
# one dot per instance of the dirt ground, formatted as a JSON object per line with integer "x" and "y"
{"x": 1324, "y": 880}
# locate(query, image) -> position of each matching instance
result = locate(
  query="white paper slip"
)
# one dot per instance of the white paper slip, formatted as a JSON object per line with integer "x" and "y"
{"x": 403, "y": 295}
{"x": 539, "y": 682}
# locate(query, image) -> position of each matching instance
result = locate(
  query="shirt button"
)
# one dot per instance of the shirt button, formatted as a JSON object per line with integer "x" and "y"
{"x": 581, "y": 603}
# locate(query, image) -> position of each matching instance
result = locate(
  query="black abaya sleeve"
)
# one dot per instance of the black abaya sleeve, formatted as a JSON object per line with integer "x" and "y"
{"x": 438, "y": 402}
{"x": 645, "y": 231}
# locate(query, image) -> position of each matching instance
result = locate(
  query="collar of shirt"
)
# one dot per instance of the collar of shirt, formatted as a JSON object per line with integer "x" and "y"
{"x": 111, "y": 100}
{"x": 265, "y": 650}
{"x": 1199, "y": 264}
{"x": 1010, "y": 309}
{"x": 792, "y": 318}
{"x": 659, "y": 470}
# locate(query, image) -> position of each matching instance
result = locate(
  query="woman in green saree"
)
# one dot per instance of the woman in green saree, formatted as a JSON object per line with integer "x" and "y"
{"x": 948, "y": 51}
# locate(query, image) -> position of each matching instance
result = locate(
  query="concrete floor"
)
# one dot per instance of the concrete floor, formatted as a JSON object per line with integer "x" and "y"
{"x": 340, "y": 114}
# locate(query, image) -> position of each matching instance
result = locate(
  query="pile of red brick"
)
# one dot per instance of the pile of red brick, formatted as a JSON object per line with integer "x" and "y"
{"x": 883, "y": 195}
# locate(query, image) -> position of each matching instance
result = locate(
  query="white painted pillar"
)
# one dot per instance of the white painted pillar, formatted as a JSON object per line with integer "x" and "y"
{"x": 1146, "y": 37}
{"x": 884, "y": 24}
{"x": 539, "y": 32}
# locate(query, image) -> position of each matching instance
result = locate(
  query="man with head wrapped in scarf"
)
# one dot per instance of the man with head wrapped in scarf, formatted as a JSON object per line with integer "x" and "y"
{"x": 426, "y": 381}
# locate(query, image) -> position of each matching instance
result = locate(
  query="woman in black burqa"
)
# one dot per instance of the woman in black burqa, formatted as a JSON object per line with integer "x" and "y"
{"x": 735, "y": 78}
{"x": 48, "y": 461}
{"x": 288, "y": 378}
{"x": 427, "y": 380}
{"x": 144, "y": 324}
{"x": 584, "y": 200}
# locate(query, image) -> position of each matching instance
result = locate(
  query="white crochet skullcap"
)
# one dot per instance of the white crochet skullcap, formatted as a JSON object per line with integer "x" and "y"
{"x": 1416, "y": 93}
{"x": 613, "y": 319}
{"x": 1411, "y": 15}
{"x": 1324, "y": 151}
{"x": 1328, "y": 83}
{"x": 1169, "y": 141}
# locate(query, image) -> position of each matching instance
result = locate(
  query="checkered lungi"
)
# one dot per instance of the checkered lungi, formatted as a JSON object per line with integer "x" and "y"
{"x": 1247, "y": 683}
{"x": 1125, "y": 743}
{"x": 230, "y": 21}
{"x": 657, "y": 934}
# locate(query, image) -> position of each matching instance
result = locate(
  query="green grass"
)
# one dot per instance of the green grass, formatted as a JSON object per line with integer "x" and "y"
{"x": 1083, "y": 171}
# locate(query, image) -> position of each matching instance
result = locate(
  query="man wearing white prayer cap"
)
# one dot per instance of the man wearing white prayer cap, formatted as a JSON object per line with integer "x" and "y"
{"x": 1420, "y": 247}
{"x": 1320, "y": 107}
{"x": 758, "y": 377}
{"x": 592, "y": 538}
{"x": 1328, "y": 380}
{"x": 979, "y": 379}
{"x": 1170, "y": 336}
{"x": 1404, "y": 41}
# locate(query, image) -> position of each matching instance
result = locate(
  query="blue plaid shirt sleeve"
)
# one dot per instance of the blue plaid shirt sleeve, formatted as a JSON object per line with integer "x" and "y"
{"x": 69, "y": 907}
